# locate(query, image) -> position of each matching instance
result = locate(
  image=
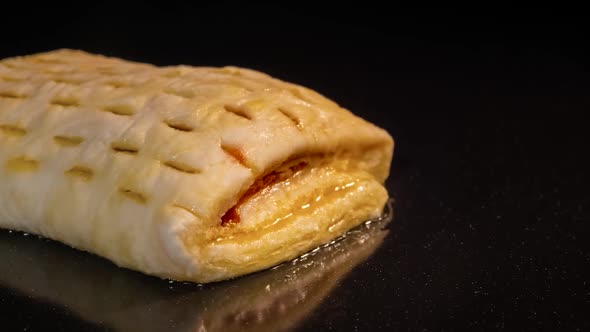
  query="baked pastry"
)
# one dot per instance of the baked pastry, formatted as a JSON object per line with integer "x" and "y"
{"x": 188, "y": 173}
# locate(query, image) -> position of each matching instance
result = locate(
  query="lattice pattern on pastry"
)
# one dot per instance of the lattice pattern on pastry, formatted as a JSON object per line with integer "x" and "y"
{"x": 124, "y": 110}
{"x": 10, "y": 79}
{"x": 134, "y": 195}
{"x": 12, "y": 130}
{"x": 81, "y": 172}
{"x": 235, "y": 154}
{"x": 68, "y": 141}
{"x": 65, "y": 102}
{"x": 181, "y": 167}
{"x": 123, "y": 147}
{"x": 21, "y": 164}
{"x": 178, "y": 125}
{"x": 186, "y": 83}
{"x": 237, "y": 110}
{"x": 12, "y": 95}
{"x": 291, "y": 117}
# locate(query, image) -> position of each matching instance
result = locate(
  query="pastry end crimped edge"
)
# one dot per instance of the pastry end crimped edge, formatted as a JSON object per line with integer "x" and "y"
{"x": 283, "y": 221}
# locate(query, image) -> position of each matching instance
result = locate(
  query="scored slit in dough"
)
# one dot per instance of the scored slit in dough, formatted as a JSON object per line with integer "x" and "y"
{"x": 188, "y": 173}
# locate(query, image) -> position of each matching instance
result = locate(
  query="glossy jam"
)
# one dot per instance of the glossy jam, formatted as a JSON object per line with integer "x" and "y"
{"x": 305, "y": 207}
{"x": 232, "y": 216}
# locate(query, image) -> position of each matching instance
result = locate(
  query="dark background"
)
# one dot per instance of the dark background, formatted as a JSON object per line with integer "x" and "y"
{"x": 490, "y": 174}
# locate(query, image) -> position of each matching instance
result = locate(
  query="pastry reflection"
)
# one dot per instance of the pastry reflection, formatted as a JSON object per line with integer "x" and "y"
{"x": 122, "y": 300}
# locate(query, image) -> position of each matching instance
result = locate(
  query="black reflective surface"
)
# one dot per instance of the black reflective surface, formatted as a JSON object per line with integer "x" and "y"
{"x": 490, "y": 173}
{"x": 84, "y": 288}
